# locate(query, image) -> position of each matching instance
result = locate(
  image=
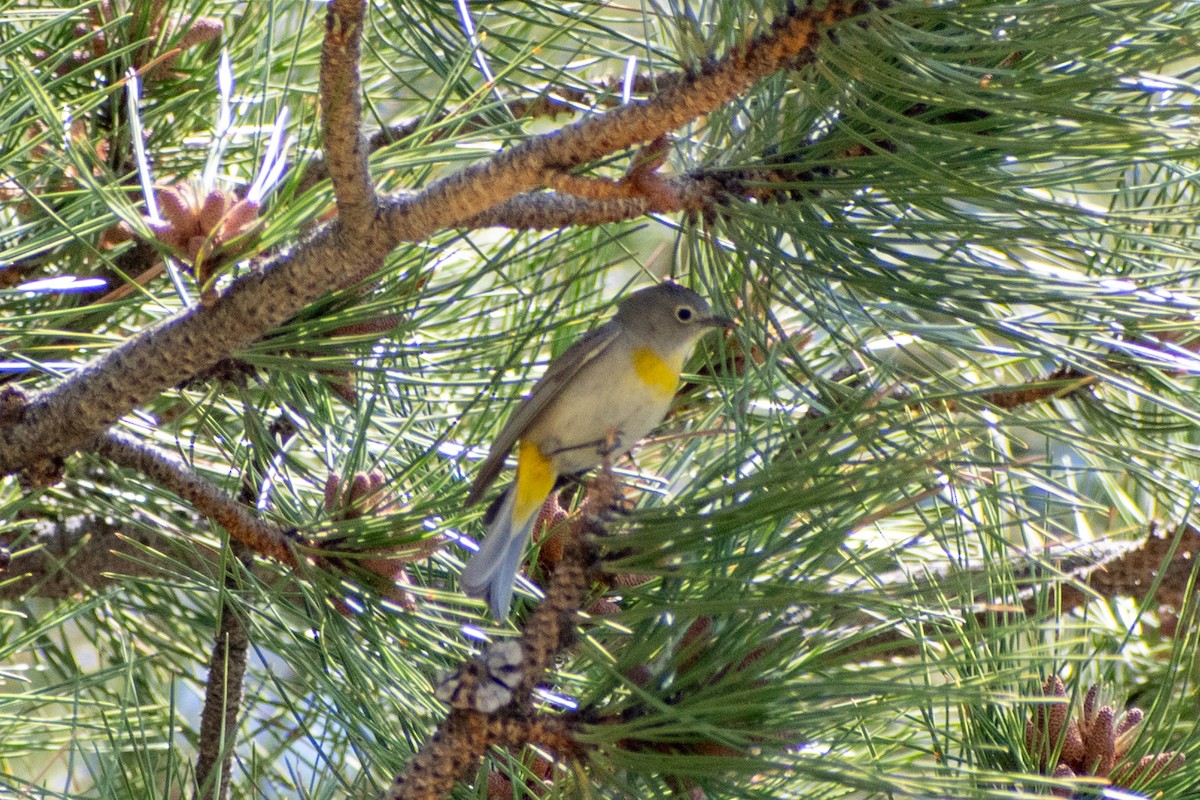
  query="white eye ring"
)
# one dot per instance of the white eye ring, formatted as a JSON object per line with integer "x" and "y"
{"x": 684, "y": 314}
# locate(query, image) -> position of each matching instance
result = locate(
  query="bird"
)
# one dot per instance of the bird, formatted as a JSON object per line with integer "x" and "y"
{"x": 600, "y": 397}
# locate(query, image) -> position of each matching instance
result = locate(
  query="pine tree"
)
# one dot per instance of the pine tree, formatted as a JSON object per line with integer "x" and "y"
{"x": 273, "y": 275}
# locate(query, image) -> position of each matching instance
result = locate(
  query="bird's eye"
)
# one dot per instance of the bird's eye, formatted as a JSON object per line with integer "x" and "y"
{"x": 683, "y": 314}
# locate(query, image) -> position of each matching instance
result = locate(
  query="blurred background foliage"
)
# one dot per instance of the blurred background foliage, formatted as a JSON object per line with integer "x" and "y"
{"x": 950, "y": 202}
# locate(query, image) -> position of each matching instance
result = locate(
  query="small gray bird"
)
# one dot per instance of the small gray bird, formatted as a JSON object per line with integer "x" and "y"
{"x": 612, "y": 387}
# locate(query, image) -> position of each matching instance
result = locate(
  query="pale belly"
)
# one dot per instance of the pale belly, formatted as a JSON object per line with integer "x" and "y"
{"x": 573, "y": 429}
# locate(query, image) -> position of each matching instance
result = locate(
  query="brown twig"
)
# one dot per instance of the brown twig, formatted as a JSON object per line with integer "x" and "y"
{"x": 461, "y": 741}
{"x": 222, "y": 701}
{"x": 551, "y": 626}
{"x": 555, "y": 734}
{"x": 545, "y": 105}
{"x": 1161, "y": 563}
{"x": 260, "y": 537}
{"x": 59, "y": 559}
{"x": 341, "y": 115}
{"x": 1060, "y": 383}
{"x": 545, "y": 211}
{"x": 227, "y": 664}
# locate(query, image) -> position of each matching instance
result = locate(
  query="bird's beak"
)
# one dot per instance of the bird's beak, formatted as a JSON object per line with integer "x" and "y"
{"x": 721, "y": 322}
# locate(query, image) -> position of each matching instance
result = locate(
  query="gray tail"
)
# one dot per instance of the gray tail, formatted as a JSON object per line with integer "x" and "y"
{"x": 491, "y": 572}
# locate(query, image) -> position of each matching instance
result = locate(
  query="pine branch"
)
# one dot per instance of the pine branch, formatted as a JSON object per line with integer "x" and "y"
{"x": 1109, "y": 570}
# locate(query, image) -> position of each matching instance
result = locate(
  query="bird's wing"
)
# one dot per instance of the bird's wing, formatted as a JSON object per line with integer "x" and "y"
{"x": 560, "y": 373}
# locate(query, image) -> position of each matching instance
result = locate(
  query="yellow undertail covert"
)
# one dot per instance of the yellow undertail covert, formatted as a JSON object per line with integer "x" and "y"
{"x": 535, "y": 479}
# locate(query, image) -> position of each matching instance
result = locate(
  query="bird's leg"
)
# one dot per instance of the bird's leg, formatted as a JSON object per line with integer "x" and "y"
{"x": 605, "y": 448}
{"x": 612, "y": 444}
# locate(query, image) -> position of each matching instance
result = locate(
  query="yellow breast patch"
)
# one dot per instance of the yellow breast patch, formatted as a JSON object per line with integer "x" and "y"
{"x": 655, "y": 372}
